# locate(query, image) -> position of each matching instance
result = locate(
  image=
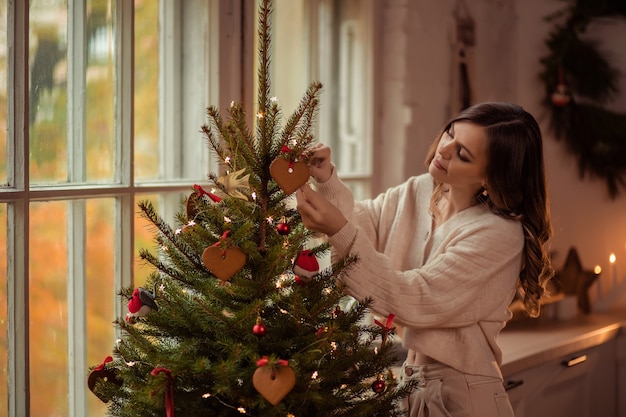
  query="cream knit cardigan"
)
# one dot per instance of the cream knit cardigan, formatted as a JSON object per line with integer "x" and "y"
{"x": 450, "y": 288}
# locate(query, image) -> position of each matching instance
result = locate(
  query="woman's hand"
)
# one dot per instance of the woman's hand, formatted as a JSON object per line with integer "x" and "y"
{"x": 318, "y": 214}
{"x": 320, "y": 164}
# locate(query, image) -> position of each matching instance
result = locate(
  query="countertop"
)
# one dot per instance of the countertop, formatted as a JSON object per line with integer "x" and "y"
{"x": 529, "y": 342}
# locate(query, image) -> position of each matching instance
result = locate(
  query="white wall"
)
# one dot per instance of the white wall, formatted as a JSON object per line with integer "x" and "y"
{"x": 510, "y": 38}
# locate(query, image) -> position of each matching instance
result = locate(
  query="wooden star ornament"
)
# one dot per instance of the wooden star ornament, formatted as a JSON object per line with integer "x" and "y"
{"x": 574, "y": 280}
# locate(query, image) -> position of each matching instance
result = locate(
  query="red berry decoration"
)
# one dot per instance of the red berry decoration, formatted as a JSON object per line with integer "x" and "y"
{"x": 338, "y": 313}
{"x": 283, "y": 227}
{"x": 378, "y": 386}
{"x": 259, "y": 328}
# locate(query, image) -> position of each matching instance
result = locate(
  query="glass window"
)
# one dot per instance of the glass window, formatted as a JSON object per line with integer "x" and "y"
{"x": 4, "y": 394}
{"x": 48, "y": 272}
{"x": 3, "y": 92}
{"x": 71, "y": 70}
{"x": 146, "y": 90}
{"x": 101, "y": 134}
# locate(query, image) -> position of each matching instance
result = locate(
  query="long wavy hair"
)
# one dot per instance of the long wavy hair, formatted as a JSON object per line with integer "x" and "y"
{"x": 516, "y": 187}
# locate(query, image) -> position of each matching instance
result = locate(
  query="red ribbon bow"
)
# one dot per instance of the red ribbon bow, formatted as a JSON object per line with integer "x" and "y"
{"x": 169, "y": 394}
{"x": 264, "y": 361}
{"x": 201, "y": 191}
{"x": 386, "y": 327}
{"x": 101, "y": 366}
{"x": 222, "y": 240}
{"x": 285, "y": 150}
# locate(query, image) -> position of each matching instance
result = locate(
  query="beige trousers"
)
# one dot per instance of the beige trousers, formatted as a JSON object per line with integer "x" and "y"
{"x": 445, "y": 392}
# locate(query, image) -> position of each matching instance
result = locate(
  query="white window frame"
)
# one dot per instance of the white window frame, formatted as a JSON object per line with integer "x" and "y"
{"x": 347, "y": 119}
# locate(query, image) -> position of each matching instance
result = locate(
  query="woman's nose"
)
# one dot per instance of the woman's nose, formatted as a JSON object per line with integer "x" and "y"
{"x": 444, "y": 150}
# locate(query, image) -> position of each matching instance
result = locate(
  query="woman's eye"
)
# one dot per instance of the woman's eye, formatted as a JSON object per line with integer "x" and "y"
{"x": 462, "y": 157}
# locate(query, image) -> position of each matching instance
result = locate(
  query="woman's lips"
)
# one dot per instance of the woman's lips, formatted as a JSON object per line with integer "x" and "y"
{"x": 438, "y": 165}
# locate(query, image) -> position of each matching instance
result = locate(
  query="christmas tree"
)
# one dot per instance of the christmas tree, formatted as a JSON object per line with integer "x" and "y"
{"x": 237, "y": 318}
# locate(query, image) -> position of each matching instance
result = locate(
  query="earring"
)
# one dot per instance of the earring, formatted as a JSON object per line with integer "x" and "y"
{"x": 483, "y": 196}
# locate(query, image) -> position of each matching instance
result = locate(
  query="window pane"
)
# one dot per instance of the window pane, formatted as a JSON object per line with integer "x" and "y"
{"x": 51, "y": 340}
{"x": 172, "y": 73}
{"x": 48, "y": 309}
{"x": 3, "y": 312}
{"x": 290, "y": 45}
{"x": 71, "y": 92}
{"x": 167, "y": 206}
{"x": 100, "y": 288}
{"x": 3, "y": 92}
{"x": 48, "y": 94}
{"x": 146, "y": 89}
{"x": 144, "y": 239}
{"x": 99, "y": 132}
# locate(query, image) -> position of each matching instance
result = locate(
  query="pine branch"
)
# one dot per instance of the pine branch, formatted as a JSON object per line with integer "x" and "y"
{"x": 301, "y": 121}
{"x": 162, "y": 267}
{"x": 150, "y": 213}
{"x": 263, "y": 92}
{"x": 249, "y": 150}
{"x": 215, "y": 120}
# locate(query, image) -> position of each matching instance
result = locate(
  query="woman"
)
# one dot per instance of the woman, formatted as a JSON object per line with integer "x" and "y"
{"x": 446, "y": 251}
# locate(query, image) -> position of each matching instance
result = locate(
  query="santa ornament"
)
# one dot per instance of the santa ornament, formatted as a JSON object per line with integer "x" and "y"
{"x": 306, "y": 266}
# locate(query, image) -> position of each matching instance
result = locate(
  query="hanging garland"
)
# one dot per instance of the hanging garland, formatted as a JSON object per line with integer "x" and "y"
{"x": 578, "y": 82}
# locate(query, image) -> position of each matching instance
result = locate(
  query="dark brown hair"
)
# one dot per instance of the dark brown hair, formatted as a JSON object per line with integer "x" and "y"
{"x": 516, "y": 186}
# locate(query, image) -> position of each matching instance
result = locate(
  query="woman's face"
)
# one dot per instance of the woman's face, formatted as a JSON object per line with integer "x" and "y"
{"x": 461, "y": 157}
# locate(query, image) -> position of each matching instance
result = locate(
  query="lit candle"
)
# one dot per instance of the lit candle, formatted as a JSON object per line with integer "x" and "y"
{"x": 612, "y": 261}
{"x": 597, "y": 270}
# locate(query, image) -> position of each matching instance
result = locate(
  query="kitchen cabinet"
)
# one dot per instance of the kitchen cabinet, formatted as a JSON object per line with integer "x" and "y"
{"x": 621, "y": 373}
{"x": 582, "y": 384}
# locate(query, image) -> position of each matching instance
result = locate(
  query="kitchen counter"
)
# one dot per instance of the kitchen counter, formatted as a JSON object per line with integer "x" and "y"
{"x": 529, "y": 342}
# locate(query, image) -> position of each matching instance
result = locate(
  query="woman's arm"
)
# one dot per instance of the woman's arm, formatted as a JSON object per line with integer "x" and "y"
{"x": 462, "y": 283}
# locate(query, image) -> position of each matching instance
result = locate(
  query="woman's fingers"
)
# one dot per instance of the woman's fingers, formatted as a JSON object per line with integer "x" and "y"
{"x": 317, "y": 213}
{"x": 320, "y": 166}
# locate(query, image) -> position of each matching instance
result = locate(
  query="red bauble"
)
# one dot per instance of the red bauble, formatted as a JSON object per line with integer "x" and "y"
{"x": 283, "y": 228}
{"x": 259, "y": 329}
{"x": 561, "y": 96}
{"x": 378, "y": 386}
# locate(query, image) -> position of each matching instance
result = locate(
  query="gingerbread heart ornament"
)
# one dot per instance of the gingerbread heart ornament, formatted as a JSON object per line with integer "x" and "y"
{"x": 274, "y": 383}
{"x": 223, "y": 263}
{"x": 289, "y": 175}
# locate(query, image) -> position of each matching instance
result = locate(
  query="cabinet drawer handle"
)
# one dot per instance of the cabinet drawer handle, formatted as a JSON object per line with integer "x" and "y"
{"x": 575, "y": 361}
{"x": 509, "y": 385}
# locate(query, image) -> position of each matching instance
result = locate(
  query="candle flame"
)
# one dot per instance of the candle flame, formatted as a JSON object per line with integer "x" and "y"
{"x": 612, "y": 258}
{"x": 597, "y": 269}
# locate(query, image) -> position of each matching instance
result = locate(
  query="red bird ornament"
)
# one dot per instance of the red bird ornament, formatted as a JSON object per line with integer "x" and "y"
{"x": 141, "y": 303}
